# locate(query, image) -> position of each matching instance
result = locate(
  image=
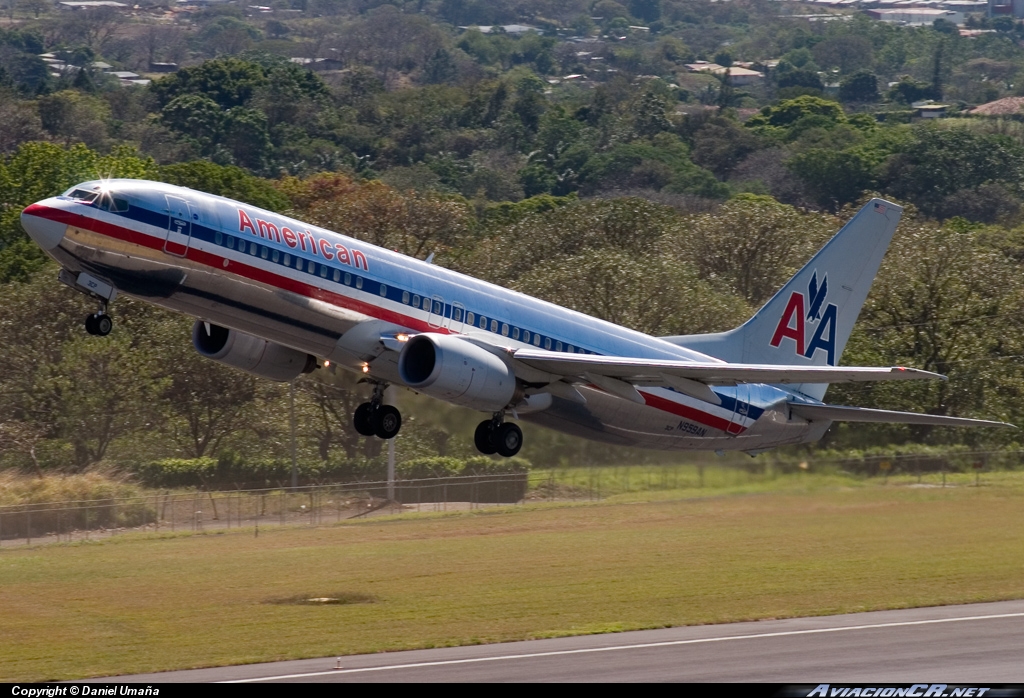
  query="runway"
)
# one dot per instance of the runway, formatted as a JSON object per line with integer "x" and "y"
{"x": 975, "y": 643}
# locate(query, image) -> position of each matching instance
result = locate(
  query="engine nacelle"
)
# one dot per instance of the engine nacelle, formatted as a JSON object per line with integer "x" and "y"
{"x": 252, "y": 354}
{"x": 456, "y": 371}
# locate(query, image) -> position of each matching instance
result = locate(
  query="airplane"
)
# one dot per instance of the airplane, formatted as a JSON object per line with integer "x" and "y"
{"x": 279, "y": 298}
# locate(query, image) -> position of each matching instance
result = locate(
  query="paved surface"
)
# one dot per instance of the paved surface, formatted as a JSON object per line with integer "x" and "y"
{"x": 977, "y": 643}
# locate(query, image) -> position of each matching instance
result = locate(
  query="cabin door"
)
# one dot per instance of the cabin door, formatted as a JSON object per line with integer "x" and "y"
{"x": 738, "y": 424}
{"x": 179, "y": 226}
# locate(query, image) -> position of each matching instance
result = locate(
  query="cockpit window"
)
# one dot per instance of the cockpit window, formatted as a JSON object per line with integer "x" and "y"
{"x": 82, "y": 195}
{"x": 111, "y": 202}
{"x": 104, "y": 200}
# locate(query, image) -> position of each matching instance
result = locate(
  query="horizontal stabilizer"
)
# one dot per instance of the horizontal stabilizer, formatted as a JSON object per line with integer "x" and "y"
{"x": 654, "y": 371}
{"x": 838, "y": 413}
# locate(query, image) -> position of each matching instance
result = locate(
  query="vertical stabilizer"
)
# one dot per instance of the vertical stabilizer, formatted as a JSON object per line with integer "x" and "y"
{"x": 808, "y": 322}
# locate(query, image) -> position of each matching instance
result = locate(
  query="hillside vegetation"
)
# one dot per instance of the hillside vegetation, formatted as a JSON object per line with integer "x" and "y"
{"x": 668, "y": 201}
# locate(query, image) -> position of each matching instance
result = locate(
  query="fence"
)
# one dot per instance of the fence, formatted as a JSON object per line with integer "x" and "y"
{"x": 318, "y": 504}
{"x": 215, "y": 510}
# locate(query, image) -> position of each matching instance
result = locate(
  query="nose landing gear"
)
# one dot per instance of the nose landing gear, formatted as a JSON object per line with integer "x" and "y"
{"x": 99, "y": 324}
{"x": 498, "y": 436}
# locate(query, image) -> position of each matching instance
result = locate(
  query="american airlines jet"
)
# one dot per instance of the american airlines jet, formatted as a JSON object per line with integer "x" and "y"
{"x": 276, "y": 297}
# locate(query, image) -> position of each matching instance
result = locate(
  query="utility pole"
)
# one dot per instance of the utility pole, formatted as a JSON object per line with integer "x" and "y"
{"x": 295, "y": 467}
{"x": 391, "y": 453}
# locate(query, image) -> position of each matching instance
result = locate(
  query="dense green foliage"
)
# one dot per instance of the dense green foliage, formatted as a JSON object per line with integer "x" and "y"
{"x": 583, "y": 162}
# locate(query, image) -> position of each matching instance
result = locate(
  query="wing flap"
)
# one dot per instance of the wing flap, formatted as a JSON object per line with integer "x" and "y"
{"x": 839, "y": 413}
{"x": 636, "y": 370}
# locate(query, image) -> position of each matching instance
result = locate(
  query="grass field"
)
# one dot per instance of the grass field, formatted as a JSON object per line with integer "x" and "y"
{"x": 819, "y": 546}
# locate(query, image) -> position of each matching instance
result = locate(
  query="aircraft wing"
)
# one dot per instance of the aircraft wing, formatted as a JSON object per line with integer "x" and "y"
{"x": 646, "y": 370}
{"x": 839, "y": 413}
{"x": 618, "y": 375}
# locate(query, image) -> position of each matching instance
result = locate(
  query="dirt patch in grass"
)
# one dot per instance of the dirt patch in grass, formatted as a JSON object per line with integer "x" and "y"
{"x": 343, "y": 598}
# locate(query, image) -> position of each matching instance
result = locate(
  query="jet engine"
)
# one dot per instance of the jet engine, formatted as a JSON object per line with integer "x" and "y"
{"x": 252, "y": 354}
{"x": 456, "y": 371}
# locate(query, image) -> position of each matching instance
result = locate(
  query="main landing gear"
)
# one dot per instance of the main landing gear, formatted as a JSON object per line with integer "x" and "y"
{"x": 495, "y": 435}
{"x": 99, "y": 324}
{"x": 374, "y": 418}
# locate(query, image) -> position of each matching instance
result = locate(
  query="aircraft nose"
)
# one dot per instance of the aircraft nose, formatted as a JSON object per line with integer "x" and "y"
{"x": 38, "y": 221}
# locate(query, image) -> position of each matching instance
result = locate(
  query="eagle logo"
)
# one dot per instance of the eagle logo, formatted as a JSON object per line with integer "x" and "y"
{"x": 816, "y": 295}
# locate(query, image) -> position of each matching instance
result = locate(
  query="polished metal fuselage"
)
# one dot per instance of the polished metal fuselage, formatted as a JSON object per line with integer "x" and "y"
{"x": 337, "y": 321}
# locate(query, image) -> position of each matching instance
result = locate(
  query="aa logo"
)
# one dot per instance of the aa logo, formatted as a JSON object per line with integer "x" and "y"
{"x": 804, "y": 314}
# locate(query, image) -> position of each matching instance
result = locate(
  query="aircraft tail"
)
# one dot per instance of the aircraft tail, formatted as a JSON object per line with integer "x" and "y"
{"x": 809, "y": 321}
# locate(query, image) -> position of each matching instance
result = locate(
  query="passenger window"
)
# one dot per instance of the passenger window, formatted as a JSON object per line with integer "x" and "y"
{"x": 558, "y": 346}
{"x": 457, "y": 313}
{"x": 483, "y": 323}
{"x": 312, "y": 267}
{"x": 337, "y": 274}
{"x": 405, "y": 297}
{"x": 383, "y": 291}
{"x": 230, "y": 242}
{"x": 547, "y": 343}
{"x": 438, "y": 307}
{"x": 324, "y": 271}
{"x": 254, "y": 249}
{"x": 568, "y": 348}
{"x": 241, "y": 245}
{"x": 536, "y": 340}
{"x": 415, "y": 301}
{"x": 287, "y": 260}
{"x": 275, "y": 256}
{"x": 218, "y": 238}
{"x": 504, "y": 329}
{"x": 526, "y": 336}
{"x": 470, "y": 318}
{"x": 359, "y": 282}
{"x": 515, "y": 333}
{"x": 494, "y": 326}
{"x": 348, "y": 279}
{"x": 264, "y": 252}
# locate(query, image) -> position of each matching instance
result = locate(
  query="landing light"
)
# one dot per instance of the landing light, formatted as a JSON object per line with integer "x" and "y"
{"x": 366, "y": 368}
{"x": 402, "y": 337}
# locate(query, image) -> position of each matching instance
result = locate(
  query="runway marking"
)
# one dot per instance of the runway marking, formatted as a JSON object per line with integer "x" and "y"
{"x": 614, "y": 648}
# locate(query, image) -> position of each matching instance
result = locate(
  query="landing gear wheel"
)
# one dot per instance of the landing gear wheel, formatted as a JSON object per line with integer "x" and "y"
{"x": 363, "y": 419}
{"x": 387, "y": 420}
{"x": 482, "y": 438}
{"x": 99, "y": 324}
{"x": 103, "y": 325}
{"x": 508, "y": 439}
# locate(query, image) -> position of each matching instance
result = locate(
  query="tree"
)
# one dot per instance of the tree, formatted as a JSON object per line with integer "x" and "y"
{"x": 229, "y": 82}
{"x": 908, "y": 90}
{"x": 654, "y": 293}
{"x": 208, "y": 401}
{"x": 228, "y": 36}
{"x": 836, "y": 178}
{"x": 788, "y": 112}
{"x": 440, "y": 68}
{"x": 938, "y": 162}
{"x": 847, "y": 52}
{"x": 945, "y": 304}
{"x": 647, "y": 10}
{"x": 862, "y": 86}
{"x": 224, "y": 180}
{"x": 721, "y": 144}
{"x": 412, "y": 223}
{"x": 752, "y": 244}
{"x": 798, "y": 77}
{"x": 19, "y": 122}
